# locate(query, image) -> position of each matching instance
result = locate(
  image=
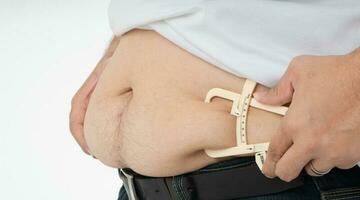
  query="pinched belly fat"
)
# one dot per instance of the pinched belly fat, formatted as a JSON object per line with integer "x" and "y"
{"x": 147, "y": 111}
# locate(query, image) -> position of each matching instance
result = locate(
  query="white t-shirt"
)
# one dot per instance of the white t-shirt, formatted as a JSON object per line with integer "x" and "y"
{"x": 252, "y": 38}
{"x": 255, "y": 39}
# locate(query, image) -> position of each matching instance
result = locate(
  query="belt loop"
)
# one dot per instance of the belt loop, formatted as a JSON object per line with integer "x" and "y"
{"x": 128, "y": 181}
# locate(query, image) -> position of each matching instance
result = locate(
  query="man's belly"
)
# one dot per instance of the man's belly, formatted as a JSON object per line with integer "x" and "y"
{"x": 148, "y": 112}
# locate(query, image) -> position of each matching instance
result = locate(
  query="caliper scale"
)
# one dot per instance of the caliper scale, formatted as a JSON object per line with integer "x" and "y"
{"x": 240, "y": 107}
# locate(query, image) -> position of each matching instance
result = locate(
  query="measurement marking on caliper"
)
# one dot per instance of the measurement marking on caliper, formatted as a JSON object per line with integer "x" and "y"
{"x": 240, "y": 107}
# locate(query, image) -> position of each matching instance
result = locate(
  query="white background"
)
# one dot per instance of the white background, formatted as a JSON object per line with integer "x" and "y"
{"x": 47, "y": 49}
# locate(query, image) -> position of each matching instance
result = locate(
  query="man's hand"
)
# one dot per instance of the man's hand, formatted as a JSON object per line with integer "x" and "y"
{"x": 81, "y": 99}
{"x": 322, "y": 125}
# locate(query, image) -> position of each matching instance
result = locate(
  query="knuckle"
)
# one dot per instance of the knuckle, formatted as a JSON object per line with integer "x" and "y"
{"x": 346, "y": 165}
{"x": 282, "y": 91}
{"x": 288, "y": 94}
{"x": 344, "y": 162}
{"x": 297, "y": 65}
{"x": 298, "y": 60}
{"x": 338, "y": 153}
{"x": 294, "y": 63}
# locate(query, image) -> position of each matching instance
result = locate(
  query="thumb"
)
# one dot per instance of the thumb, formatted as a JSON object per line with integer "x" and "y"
{"x": 279, "y": 95}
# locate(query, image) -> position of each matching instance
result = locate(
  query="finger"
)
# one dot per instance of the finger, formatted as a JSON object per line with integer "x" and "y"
{"x": 280, "y": 94}
{"x": 318, "y": 167}
{"x": 112, "y": 47}
{"x": 81, "y": 99}
{"x": 77, "y": 129}
{"x": 78, "y": 109}
{"x": 292, "y": 162}
{"x": 76, "y": 122}
{"x": 279, "y": 143}
{"x": 86, "y": 89}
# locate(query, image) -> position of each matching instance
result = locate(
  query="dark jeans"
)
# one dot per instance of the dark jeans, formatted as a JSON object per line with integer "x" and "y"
{"x": 337, "y": 184}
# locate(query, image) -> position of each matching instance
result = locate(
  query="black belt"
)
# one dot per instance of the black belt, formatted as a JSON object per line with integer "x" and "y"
{"x": 236, "y": 182}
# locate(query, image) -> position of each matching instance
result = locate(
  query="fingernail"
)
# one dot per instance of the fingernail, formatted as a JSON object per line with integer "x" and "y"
{"x": 259, "y": 94}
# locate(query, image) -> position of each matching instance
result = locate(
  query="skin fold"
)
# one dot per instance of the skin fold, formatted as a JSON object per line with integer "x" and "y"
{"x": 147, "y": 111}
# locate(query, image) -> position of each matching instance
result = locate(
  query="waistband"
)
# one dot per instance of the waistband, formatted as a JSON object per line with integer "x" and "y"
{"x": 235, "y": 178}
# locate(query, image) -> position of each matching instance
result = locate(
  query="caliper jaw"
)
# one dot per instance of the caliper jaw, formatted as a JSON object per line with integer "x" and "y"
{"x": 258, "y": 150}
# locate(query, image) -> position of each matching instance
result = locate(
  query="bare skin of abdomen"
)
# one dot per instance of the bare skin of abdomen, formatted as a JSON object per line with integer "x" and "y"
{"x": 147, "y": 111}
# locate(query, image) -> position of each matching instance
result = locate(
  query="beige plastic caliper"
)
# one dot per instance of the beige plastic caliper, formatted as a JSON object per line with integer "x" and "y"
{"x": 240, "y": 107}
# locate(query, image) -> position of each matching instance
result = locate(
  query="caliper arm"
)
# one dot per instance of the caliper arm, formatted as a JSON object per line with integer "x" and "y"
{"x": 240, "y": 106}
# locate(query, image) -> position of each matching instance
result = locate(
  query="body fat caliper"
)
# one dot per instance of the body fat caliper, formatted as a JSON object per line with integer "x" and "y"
{"x": 240, "y": 107}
